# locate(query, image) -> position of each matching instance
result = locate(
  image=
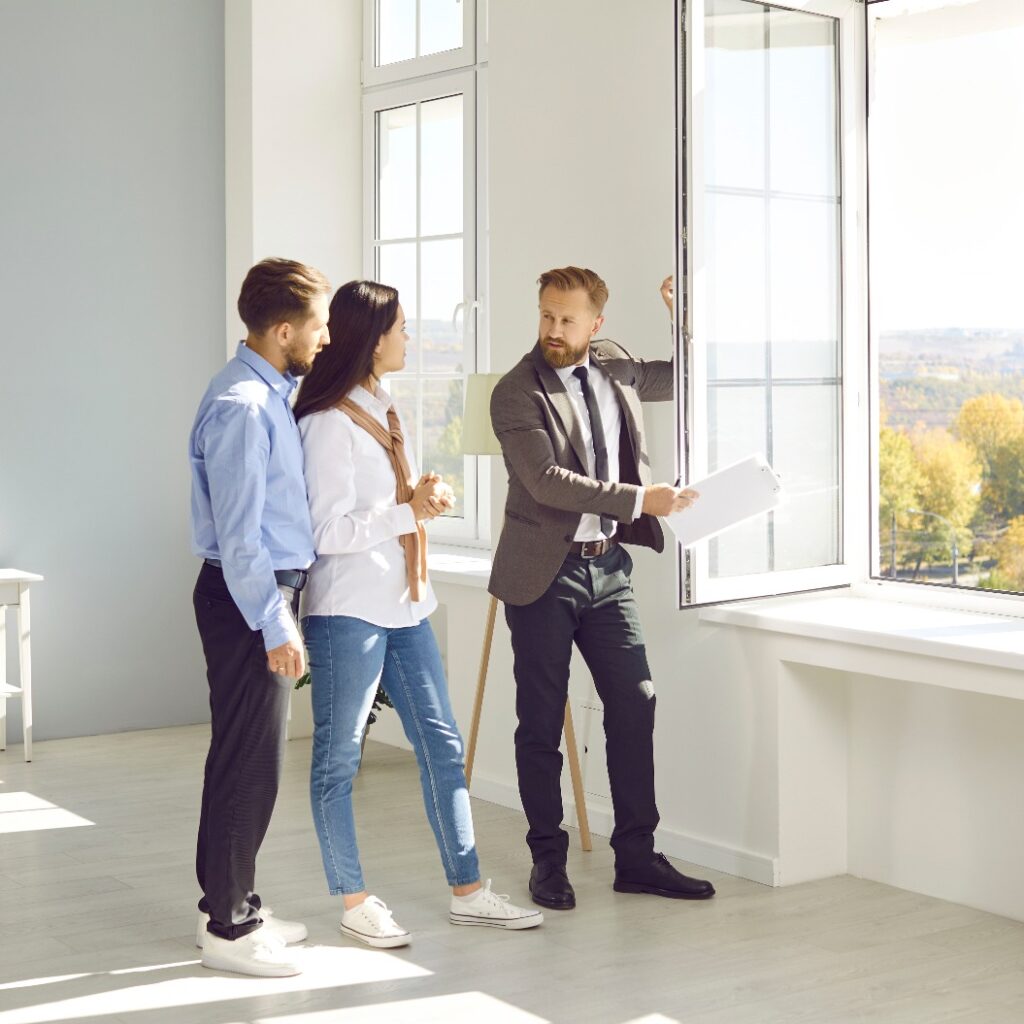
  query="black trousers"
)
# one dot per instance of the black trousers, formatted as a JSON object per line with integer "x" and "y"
{"x": 248, "y": 712}
{"x": 590, "y": 603}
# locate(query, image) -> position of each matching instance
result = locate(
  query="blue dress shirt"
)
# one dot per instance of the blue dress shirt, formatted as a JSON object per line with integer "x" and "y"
{"x": 249, "y": 507}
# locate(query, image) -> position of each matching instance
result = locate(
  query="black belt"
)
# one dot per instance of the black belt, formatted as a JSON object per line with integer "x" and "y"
{"x": 592, "y": 548}
{"x": 294, "y": 578}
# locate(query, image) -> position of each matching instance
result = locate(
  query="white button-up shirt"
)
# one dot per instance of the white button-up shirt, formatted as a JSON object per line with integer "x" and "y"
{"x": 611, "y": 424}
{"x": 360, "y": 568}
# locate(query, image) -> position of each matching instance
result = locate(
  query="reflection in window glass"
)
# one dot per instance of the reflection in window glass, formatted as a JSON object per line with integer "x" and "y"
{"x": 947, "y": 303}
{"x": 396, "y": 31}
{"x": 438, "y": 23}
{"x": 772, "y": 274}
{"x": 396, "y": 169}
{"x": 441, "y": 166}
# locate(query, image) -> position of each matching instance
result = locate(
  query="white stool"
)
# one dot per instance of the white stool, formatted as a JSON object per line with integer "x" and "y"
{"x": 14, "y": 586}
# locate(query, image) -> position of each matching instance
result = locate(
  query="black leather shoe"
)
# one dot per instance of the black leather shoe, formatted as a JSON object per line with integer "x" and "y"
{"x": 549, "y": 887}
{"x": 659, "y": 878}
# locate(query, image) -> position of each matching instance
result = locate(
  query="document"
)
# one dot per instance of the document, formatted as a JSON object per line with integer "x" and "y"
{"x": 730, "y": 496}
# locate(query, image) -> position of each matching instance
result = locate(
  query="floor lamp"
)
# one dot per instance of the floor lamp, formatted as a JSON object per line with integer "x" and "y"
{"x": 478, "y": 439}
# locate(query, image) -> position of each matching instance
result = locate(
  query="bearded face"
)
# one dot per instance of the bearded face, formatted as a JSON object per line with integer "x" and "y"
{"x": 567, "y": 323}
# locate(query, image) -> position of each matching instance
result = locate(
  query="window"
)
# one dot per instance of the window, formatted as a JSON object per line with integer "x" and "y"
{"x": 947, "y": 303}
{"x": 407, "y": 38}
{"x": 767, "y": 285}
{"x": 421, "y": 234}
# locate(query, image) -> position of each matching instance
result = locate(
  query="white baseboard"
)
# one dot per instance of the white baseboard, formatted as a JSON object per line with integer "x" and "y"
{"x": 730, "y": 860}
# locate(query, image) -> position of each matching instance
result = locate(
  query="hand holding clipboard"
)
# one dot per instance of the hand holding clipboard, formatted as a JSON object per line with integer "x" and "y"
{"x": 728, "y": 497}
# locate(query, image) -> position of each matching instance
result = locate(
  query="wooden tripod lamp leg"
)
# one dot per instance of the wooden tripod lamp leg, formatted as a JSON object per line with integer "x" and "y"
{"x": 577, "y": 781}
{"x": 478, "y": 702}
{"x": 570, "y": 733}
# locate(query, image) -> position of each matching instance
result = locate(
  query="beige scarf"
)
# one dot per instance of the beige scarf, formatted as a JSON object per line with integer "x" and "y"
{"x": 414, "y": 544}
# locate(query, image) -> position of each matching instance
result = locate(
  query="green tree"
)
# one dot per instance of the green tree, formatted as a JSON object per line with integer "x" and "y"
{"x": 899, "y": 488}
{"x": 950, "y": 488}
{"x": 993, "y": 425}
{"x": 1008, "y": 572}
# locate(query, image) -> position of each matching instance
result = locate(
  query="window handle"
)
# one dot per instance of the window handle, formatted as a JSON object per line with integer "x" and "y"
{"x": 466, "y": 306}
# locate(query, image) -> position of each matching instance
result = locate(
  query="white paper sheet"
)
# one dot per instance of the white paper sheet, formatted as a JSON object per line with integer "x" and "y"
{"x": 728, "y": 497}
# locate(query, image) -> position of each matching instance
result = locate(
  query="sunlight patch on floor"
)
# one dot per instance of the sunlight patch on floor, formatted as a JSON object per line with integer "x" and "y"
{"x": 469, "y": 1007}
{"x": 103, "y": 993}
{"x": 23, "y": 812}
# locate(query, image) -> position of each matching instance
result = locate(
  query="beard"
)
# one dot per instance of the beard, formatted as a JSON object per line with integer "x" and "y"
{"x": 557, "y": 359}
{"x": 297, "y": 363}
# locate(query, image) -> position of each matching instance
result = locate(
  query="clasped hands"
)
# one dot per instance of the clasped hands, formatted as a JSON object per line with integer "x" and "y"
{"x": 431, "y": 497}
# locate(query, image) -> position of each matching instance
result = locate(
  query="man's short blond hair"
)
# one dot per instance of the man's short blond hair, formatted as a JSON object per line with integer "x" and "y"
{"x": 567, "y": 279}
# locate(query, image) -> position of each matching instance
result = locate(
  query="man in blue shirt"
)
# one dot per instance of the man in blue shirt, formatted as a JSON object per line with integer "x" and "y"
{"x": 251, "y": 527}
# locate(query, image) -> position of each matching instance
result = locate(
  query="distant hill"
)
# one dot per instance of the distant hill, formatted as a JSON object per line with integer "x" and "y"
{"x": 925, "y": 376}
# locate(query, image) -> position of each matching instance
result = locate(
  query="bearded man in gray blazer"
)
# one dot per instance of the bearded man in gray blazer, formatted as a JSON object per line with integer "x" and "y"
{"x": 570, "y": 423}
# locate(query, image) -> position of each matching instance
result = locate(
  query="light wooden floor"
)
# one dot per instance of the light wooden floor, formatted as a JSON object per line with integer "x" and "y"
{"x": 96, "y": 921}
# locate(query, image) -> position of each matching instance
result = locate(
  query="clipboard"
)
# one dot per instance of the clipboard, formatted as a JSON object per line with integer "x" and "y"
{"x": 728, "y": 497}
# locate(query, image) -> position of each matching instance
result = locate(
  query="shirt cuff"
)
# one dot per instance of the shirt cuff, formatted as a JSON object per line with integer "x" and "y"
{"x": 638, "y": 507}
{"x": 280, "y": 630}
{"x": 404, "y": 519}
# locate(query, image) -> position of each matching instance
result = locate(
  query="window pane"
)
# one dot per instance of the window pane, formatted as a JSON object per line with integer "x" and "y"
{"x": 396, "y": 169}
{"x": 442, "y": 436}
{"x": 802, "y": 101}
{"x": 441, "y": 166}
{"x": 739, "y": 416}
{"x": 442, "y": 273}
{"x": 735, "y": 72}
{"x": 737, "y": 330}
{"x": 771, "y": 260}
{"x": 804, "y": 263}
{"x": 405, "y": 394}
{"x": 397, "y": 267}
{"x": 947, "y": 216}
{"x": 396, "y": 31}
{"x": 440, "y": 25}
{"x": 805, "y": 440}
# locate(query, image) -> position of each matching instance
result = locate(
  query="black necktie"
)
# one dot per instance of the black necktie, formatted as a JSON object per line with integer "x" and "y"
{"x": 597, "y": 432}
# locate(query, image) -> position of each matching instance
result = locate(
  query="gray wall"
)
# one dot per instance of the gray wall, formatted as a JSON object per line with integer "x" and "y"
{"x": 112, "y": 300}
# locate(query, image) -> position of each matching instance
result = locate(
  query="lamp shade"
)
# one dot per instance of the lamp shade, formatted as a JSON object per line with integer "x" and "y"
{"x": 477, "y": 436}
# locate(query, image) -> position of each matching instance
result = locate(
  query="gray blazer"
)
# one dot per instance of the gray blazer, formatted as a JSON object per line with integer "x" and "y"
{"x": 548, "y": 486}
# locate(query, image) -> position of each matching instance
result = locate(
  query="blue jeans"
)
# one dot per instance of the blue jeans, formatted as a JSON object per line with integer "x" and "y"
{"x": 348, "y": 657}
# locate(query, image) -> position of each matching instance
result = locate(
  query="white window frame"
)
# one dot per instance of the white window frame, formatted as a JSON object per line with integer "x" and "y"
{"x": 448, "y": 60}
{"x": 472, "y": 527}
{"x": 696, "y": 586}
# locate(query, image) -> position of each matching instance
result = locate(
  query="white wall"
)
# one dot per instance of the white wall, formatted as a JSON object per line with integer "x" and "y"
{"x": 294, "y": 138}
{"x": 112, "y": 291}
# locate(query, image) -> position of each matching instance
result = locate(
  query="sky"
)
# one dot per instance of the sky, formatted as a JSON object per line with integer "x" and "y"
{"x": 947, "y": 155}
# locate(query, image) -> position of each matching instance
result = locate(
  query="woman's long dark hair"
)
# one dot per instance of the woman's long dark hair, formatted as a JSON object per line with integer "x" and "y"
{"x": 361, "y": 313}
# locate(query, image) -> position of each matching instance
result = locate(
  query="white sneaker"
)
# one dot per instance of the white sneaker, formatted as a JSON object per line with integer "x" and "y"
{"x": 371, "y": 922}
{"x": 289, "y": 931}
{"x": 484, "y": 907}
{"x": 260, "y": 953}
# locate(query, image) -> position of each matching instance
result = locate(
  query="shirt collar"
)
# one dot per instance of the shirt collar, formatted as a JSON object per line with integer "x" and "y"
{"x": 283, "y": 384}
{"x": 380, "y": 401}
{"x": 565, "y": 372}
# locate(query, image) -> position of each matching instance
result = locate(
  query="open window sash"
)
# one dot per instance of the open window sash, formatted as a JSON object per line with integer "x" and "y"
{"x": 770, "y": 272}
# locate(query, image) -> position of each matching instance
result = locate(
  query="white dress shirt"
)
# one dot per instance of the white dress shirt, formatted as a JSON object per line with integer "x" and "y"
{"x": 611, "y": 424}
{"x": 360, "y": 567}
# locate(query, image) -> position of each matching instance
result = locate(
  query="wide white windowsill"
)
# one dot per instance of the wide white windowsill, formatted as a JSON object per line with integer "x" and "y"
{"x": 975, "y": 637}
{"x": 466, "y": 567}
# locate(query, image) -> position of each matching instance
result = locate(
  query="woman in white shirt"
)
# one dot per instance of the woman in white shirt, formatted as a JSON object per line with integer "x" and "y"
{"x": 365, "y": 613}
